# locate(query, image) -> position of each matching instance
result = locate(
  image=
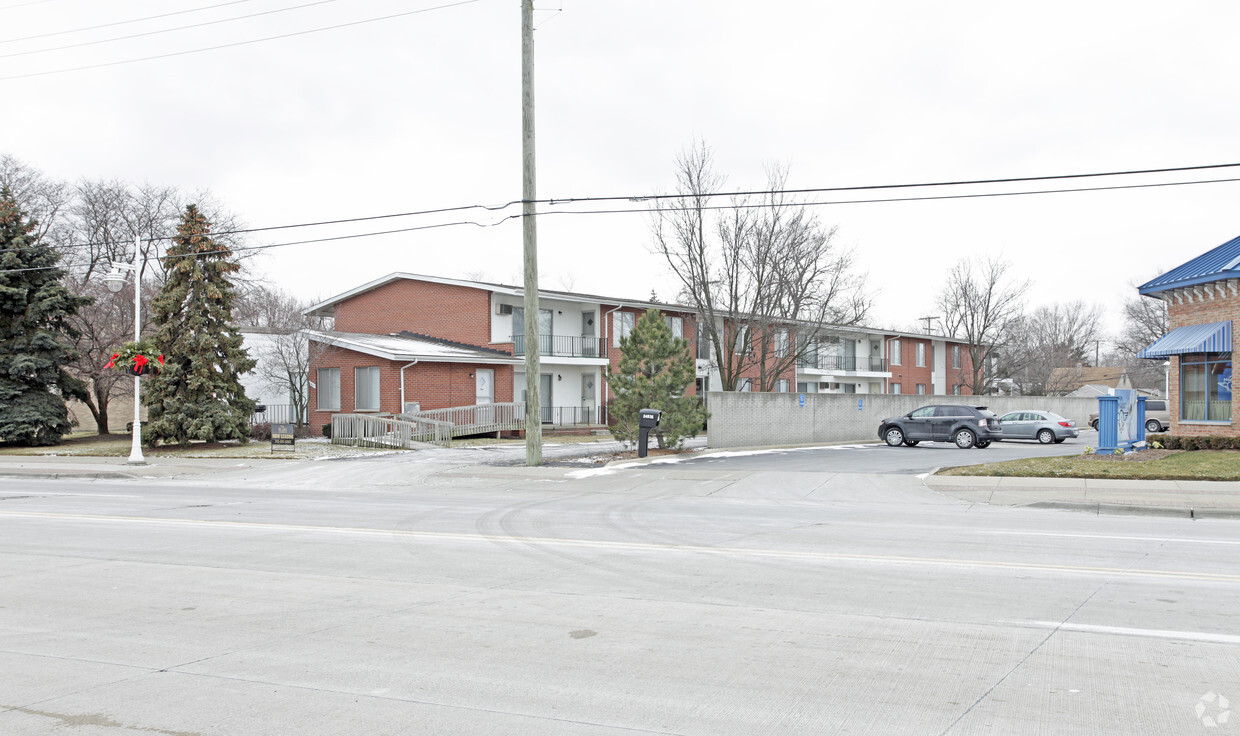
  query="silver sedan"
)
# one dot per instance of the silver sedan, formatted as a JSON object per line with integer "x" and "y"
{"x": 1044, "y": 426}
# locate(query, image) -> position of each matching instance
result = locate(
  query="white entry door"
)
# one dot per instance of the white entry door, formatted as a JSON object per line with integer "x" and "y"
{"x": 484, "y": 386}
{"x": 587, "y": 399}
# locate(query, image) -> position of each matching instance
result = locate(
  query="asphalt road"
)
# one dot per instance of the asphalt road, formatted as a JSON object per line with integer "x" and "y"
{"x": 401, "y": 597}
{"x": 877, "y": 457}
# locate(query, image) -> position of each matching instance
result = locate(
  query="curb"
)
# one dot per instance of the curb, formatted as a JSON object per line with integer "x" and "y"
{"x": 70, "y": 474}
{"x": 1137, "y": 509}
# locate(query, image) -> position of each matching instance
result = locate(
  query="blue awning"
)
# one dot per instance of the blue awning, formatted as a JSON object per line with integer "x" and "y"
{"x": 1214, "y": 337}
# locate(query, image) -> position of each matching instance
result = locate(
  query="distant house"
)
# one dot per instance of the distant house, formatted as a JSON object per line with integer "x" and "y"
{"x": 1203, "y": 300}
{"x": 1091, "y": 381}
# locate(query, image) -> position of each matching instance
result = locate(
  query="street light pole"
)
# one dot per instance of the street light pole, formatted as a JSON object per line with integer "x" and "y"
{"x": 135, "y": 453}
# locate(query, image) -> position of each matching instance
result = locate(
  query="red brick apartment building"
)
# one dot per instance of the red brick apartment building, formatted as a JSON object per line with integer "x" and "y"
{"x": 1203, "y": 300}
{"x": 406, "y": 342}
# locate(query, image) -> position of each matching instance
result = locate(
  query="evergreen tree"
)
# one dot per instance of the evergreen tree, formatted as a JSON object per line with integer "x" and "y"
{"x": 35, "y": 308}
{"x": 197, "y": 394}
{"x": 655, "y": 369}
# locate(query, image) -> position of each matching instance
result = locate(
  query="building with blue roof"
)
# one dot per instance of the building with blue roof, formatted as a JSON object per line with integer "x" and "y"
{"x": 1203, "y": 300}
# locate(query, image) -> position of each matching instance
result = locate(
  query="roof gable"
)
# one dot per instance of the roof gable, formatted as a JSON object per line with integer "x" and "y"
{"x": 1218, "y": 264}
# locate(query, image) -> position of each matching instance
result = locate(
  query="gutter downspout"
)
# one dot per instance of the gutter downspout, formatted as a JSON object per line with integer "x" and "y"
{"x": 402, "y": 385}
{"x": 603, "y": 384}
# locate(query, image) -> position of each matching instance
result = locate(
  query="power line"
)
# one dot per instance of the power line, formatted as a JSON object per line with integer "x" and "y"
{"x": 638, "y": 198}
{"x": 22, "y": 5}
{"x": 122, "y": 22}
{"x": 237, "y": 43}
{"x": 165, "y": 30}
{"x": 506, "y": 218}
{"x": 816, "y": 190}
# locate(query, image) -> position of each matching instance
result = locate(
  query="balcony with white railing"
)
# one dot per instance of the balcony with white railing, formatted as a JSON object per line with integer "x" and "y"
{"x": 564, "y": 346}
{"x": 841, "y": 364}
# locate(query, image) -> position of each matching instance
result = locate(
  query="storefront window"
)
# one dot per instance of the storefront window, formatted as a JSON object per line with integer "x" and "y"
{"x": 1205, "y": 387}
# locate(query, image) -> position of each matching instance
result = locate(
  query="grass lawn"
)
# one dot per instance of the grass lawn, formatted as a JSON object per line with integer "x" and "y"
{"x": 89, "y": 444}
{"x": 1146, "y": 465}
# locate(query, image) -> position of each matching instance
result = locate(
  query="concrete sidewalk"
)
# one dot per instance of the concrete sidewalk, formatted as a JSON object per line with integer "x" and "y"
{"x": 1193, "y": 499}
{"x": 68, "y": 466}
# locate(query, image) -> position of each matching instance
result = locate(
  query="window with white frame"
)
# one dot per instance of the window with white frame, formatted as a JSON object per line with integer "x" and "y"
{"x": 895, "y": 388}
{"x": 921, "y": 388}
{"x": 781, "y": 343}
{"x": 676, "y": 325}
{"x": 921, "y": 355}
{"x": 895, "y": 352}
{"x": 621, "y": 326}
{"x": 744, "y": 384}
{"x": 328, "y": 389}
{"x": 366, "y": 388}
{"x": 742, "y": 341}
{"x": 781, "y": 385}
{"x": 956, "y": 357}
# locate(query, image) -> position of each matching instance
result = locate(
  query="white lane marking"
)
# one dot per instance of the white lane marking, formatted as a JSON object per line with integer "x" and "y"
{"x": 1125, "y": 631}
{"x": 1177, "y": 540}
{"x": 631, "y": 546}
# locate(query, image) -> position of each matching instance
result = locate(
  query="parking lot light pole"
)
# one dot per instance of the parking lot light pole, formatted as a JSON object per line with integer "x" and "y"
{"x": 115, "y": 281}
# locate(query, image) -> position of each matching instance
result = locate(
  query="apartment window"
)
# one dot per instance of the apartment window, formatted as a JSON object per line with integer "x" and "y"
{"x": 956, "y": 389}
{"x": 745, "y": 384}
{"x": 921, "y": 388}
{"x": 676, "y": 325}
{"x": 328, "y": 389}
{"x": 850, "y": 388}
{"x": 1205, "y": 387}
{"x": 895, "y": 388}
{"x": 895, "y": 352}
{"x": 921, "y": 355}
{"x": 956, "y": 357}
{"x": 781, "y": 343}
{"x": 621, "y": 326}
{"x": 781, "y": 385}
{"x": 366, "y": 389}
{"x": 703, "y": 343}
{"x": 742, "y": 341}
{"x": 803, "y": 388}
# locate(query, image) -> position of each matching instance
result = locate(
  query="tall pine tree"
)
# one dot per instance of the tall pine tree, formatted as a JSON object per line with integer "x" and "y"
{"x": 35, "y": 308}
{"x": 655, "y": 369}
{"x": 197, "y": 394}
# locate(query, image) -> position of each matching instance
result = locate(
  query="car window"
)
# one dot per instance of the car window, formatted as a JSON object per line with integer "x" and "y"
{"x": 1011, "y": 416}
{"x": 1156, "y": 406}
{"x": 952, "y": 411}
{"x": 923, "y": 413}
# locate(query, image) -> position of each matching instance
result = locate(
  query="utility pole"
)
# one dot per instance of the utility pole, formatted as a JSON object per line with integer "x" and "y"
{"x": 927, "y": 320}
{"x": 529, "y": 227}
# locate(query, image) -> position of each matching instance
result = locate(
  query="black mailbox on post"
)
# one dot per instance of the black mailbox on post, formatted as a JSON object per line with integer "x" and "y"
{"x": 648, "y": 419}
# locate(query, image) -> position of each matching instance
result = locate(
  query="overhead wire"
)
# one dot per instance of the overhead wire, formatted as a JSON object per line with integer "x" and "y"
{"x": 733, "y": 205}
{"x": 144, "y": 34}
{"x": 122, "y": 22}
{"x": 238, "y": 43}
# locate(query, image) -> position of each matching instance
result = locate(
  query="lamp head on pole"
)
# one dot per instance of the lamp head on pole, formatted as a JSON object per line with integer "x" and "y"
{"x": 115, "y": 279}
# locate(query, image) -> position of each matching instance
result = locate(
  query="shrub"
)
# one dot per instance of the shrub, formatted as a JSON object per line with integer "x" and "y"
{"x": 261, "y": 431}
{"x": 327, "y": 430}
{"x": 1182, "y": 442}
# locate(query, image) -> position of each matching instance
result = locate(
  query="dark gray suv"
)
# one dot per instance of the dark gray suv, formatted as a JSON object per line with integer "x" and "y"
{"x": 966, "y": 426}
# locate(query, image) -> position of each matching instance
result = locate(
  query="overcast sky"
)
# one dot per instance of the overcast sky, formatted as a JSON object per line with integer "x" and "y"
{"x": 422, "y": 111}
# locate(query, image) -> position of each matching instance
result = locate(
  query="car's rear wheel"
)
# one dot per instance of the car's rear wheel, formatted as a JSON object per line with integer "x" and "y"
{"x": 911, "y": 443}
{"x": 964, "y": 438}
{"x": 894, "y": 436}
{"x": 1046, "y": 436}
{"x": 1094, "y": 423}
{"x": 1152, "y": 426}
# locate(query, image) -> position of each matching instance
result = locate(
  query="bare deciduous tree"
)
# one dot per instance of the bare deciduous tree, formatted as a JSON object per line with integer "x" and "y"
{"x": 284, "y": 359}
{"x": 1052, "y": 338}
{"x": 981, "y": 306}
{"x": 1145, "y": 320}
{"x": 762, "y": 272}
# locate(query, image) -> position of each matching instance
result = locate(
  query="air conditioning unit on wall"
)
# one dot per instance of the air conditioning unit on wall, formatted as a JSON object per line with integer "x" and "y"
{"x": 503, "y": 309}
